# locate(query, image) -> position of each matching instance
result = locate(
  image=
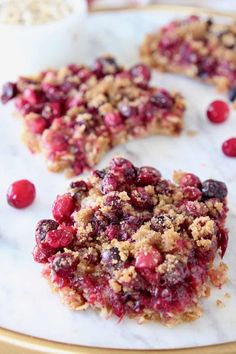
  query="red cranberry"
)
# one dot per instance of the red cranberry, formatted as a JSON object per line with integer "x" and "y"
{"x": 9, "y": 91}
{"x": 229, "y": 147}
{"x": 177, "y": 275}
{"x": 55, "y": 142}
{"x": 22, "y": 105}
{"x": 52, "y": 110}
{"x": 148, "y": 176}
{"x": 111, "y": 257}
{"x": 140, "y": 74}
{"x": 162, "y": 99}
{"x": 222, "y": 240}
{"x": 109, "y": 183}
{"x": 191, "y": 193}
{"x": 218, "y": 111}
{"x": 126, "y": 110}
{"x": 189, "y": 179}
{"x": 160, "y": 223}
{"x": 32, "y": 96}
{"x": 80, "y": 186}
{"x": 141, "y": 199}
{"x": 60, "y": 237}
{"x": 113, "y": 119}
{"x": 64, "y": 264}
{"x": 113, "y": 231}
{"x": 42, "y": 228}
{"x": 37, "y": 125}
{"x": 148, "y": 259}
{"x": 214, "y": 189}
{"x": 147, "y": 112}
{"x": 39, "y": 256}
{"x": 63, "y": 207}
{"x": 106, "y": 66}
{"x": 21, "y": 194}
{"x": 123, "y": 169}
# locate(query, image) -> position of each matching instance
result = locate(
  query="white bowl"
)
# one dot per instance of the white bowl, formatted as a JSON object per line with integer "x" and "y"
{"x": 27, "y": 49}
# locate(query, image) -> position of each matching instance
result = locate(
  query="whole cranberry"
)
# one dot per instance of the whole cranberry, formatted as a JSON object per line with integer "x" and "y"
{"x": 113, "y": 119}
{"x": 229, "y": 147}
{"x": 21, "y": 194}
{"x": 42, "y": 228}
{"x": 33, "y": 96}
{"x": 148, "y": 259}
{"x": 52, "y": 110}
{"x": 106, "y": 66}
{"x": 123, "y": 169}
{"x": 191, "y": 193}
{"x": 148, "y": 176}
{"x": 37, "y": 125}
{"x": 214, "y": 189}
{"x": 63, "y": 207}
{"x": 9, "y": 91}
{"x": 218, "y": 111}
{"x": 55, "y": 142}
{"x": 162, "y": 99}
{"x": 140, "y": 74}
{"x": 141, "y": 199}
{"x": 80, "y": 186}
{"x": 113, "y": 231}
{"x": 60, "y": 238}
{"x": 39, "y": 256}
{"x": 161, "y": 222}
{"x": 109, "y": 183}
{"x": 64, "y": 264}
{"x": 190, "y": 180}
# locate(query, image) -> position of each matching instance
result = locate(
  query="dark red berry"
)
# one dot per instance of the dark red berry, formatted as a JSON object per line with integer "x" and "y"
{"x": 9, "y": 91}
{"x": 42, "y": 228}
{"x": 80, "y": 186}
{"x": 160, "y": 223}
{"x": 140, "y": 74}
{"x": 109, "y": 183}
{"x": 232, "y": 94}
{"x": 39, "y": 256}
{"x": 218, "y": 111}
{"x": 229, "y": 147}
{"x": 126, "y": 110}
{"x": 111, "y": 256}
{"x": 37, "y": 125}
{"x": 191, "y": 193}
{"x": 148, "y": 259}
{"x": 189, "y": 179}
{"x": 52, "y": 110}
{"x": 21, "y": 194}
{"x": 55, "y": 142}
{"x": 60, "y": 237}
{"x": 32, "y": 96}
{"x": 63, "y": 207}
{"x": 214, "y": 189}
{"x": 123, "y": 170}
{"x": 148, "y": 176}
{"x": 162, "y": 99}
{"x": 64, "y": 264}
{"x": 141, "y": 199}
{"x": 113, "y": 119}
{"x": 106, "y": 66}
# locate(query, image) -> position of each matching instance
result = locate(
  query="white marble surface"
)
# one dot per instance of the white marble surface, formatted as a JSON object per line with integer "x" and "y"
{"x": 26, "y": 302}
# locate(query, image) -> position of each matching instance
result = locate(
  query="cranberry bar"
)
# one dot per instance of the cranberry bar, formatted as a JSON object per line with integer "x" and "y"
{"x": 76, "y": 114}
{"x": 195, "y": 47}
{"x": 131, "y": 243}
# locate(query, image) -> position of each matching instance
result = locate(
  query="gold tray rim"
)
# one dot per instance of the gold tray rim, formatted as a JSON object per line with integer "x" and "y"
{"x": 11, "y": 341}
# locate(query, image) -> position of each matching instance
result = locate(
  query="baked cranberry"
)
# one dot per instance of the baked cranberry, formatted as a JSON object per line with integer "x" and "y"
{"x": 191, "y": 193}
{"x": 214, "y": 189}
{"x": 177, "y": 275}
{"x": 37, "y": 125}
{"x": 55, "y": 142}
{"x": 206, "y": 66}
{"x": 148, "y": 176}
{"x": 189, "y": 179}
{"x": 130, "y": 225}
{"x": 162, "y": 99}
{"x": 9, "y": 91}
{"x": 148, "y": 259}
{"x": 140, "y": 74}
{"x": 229, "y": 147}
{"x": 218, "y": 111}
{"x": 59, "y": 238}
{"x": 33, "y": 96}
{"x": 113, "y": 231}
{"x": 113, "y": 119}
{"x": 22, "y": 105}
{"x": 141, "y": 199}
{"x": 39, "y": 256}
{"x": 222, "y": 240}
{"x": 160, "y": 223}
{"x": 63, "y": 207}
{"x": 232, "y": 94}
{"x": 64, "y": 264}
{"x": 106, "y": 66}
{"x": 52, "y": 110}
{"x": 21, "y": 194}
{"x": 111, "y": 256}
{"x": 147, "y": 112}
{"x": 194, "y": 208}
{"x": 42, "y": 228}
{"x": 109, "y": 184}
{"x": 80, "y": 186}
{"x": 126, "y": 110}
{"x": 123, "y": 169}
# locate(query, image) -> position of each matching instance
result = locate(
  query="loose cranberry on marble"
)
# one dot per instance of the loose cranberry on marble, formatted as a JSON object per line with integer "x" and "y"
{"x": 162, "y": 99}
{"x": 9, "y": 91}
{"x": 190, "y": 180}
{"x": 214, "y": 189}
{"x": 60, "y": 238}
{"x": 140, "y": 74}
{"x": 63, "y": 207}
{"x": 148, "y": 176}
{"x": 64, "y": 264}
{"x": 21, "y": 194}
{"x": 113, "y": 119}
{"x": 191, "y": 193}
{"x": 37, "y": 125}
{"x": 141, "y": 199}
{"x": 39, "y": 256}
{"x": 42, "y": 228}
{"x": 148, "y": 259}
{"x": 229, "y": 147}
{"x": 218, "y": 111}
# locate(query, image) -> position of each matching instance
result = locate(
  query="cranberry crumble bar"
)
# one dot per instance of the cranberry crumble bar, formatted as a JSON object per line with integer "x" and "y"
{"x": 131, "y": 243}
{"x": 195, "y": 47}
{"x": 76, "y": 114}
